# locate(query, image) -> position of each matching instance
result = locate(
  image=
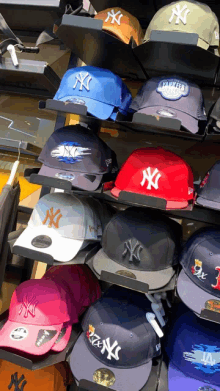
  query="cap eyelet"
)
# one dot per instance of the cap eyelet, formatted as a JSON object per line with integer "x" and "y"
{"x": 210, "y": 253}
{"x": 101, "y": 323}
{"x": 131, "y": 335}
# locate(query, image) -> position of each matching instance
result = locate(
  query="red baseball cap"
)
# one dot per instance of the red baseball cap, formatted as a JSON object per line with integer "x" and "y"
{"x": 37, "y": 313}
{"x": 156, "y": 172}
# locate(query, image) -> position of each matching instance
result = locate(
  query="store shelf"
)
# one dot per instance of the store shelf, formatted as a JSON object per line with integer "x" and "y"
{"x": 85, "y": 38}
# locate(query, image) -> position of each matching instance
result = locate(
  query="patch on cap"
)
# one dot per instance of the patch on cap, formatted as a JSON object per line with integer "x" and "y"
{"x": 126, "y": 273}
{"x": 41, "y": 241}
{"x": 213, "y": 305}
{"x": 104, "y": 376}
{"x": 204, "y": 181}
{"x": 70, "y": 152}
{"x": 65, "y": 176}
{"x": 44, "y": 336}
{"x": 206, "y": 388}
{"x": 76, "y": 101}
{"x": 166, "y": 113}
{"x": 19, "y": 334}
{"x": 172, "y": 89}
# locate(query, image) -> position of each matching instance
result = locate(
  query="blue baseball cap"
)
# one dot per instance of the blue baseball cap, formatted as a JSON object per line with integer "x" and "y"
{"x": 103, "y": 92}
{"x": 193, "y": 347}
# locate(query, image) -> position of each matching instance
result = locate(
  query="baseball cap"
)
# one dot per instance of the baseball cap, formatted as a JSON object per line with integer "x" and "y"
{"x": 188, "y": 17}
{"x": 77, "y": 154}
{"x": 122, "y": 24}
{"x": 61, "y": 221}
{"x": 198, "y": 283}
{"x": 193, "y": 347}
{"x": 141, "y": 244}
{"x": 117, "y": 340}
{"x": 37, "y": 312}
{"x": 156, "y": 173}
{"x": 103, "y": 92}
{"x": 209, "y": 190}
{"x": 171, "y": 97}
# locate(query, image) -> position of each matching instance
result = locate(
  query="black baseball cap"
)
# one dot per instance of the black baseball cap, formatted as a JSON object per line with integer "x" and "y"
{"x": 209, "y": 190}
{"x": 75, "y": 153}
{"x": 198, "y": 284}
{"x": 117, "y": 341}
{"x": 140, "y": 244}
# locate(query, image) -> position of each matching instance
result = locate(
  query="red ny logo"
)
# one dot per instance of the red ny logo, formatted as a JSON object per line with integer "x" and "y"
{"x": 29, "y": 305}
{"x": 51, "y": 216}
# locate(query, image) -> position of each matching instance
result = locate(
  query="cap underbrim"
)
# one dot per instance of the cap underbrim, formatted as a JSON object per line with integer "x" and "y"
{"x": 81, "y": 180}
{"x": 178, "y": 381}
{"x": 188, "y": 122}
{"x": 94, "y": 107}
{"x": 208, "y": 203}
{"x": 61, "y": 249}
{"x": 83, "y": 365}
{"x": 63, "y": 341}
{"x": 193, "y": 296}
{"x": 27, "y": 344}
{"x": 155, "y": 279}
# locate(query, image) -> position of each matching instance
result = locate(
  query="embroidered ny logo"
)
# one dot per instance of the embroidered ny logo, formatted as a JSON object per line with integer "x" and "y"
{"x": 15, "y": 381}
{"x": 177, "y": 12}
{"x": 113, "y": 16}
{"x": 109, "y": 348}
{"x": 207, "y": 359}
{"x": 149, "y": 177}
{"x": 80, "y": 78}
{"x": 27, "y": 303}
{"x": 131, "y": 248}
{"x": 51, "y": 216}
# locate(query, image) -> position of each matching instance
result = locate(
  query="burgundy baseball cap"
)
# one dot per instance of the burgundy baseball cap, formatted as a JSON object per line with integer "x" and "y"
{"x": 37, "y": 313}
{"x": 157, "y": 174}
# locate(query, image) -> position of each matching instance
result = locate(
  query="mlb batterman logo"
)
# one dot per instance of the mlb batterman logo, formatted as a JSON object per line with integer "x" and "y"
{"x": 172, "y": 89}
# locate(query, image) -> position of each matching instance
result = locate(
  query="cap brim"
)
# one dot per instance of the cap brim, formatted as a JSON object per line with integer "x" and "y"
{"x": 83, "y": 365}
{"x": 28, "y": 343}
{"x": 178, "y": 381}
{"x": 193, "y": 296}
{"x": 81, "y": 180}
{"x": 94, "y": 107}
{"x": 62, "y": 339}
{"x": 188, "y": 122}
{"x": 155, "y": 279}
{"x": 208, "y": 203}
{"x": 61, "y": 249}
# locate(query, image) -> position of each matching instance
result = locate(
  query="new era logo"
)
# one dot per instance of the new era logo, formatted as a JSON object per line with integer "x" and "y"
{"x": 53, "y": 218}
{"x": 115, "y": 17}
{"x": 152, "y": 177}
{"x": 17, "y": 383}
{"x": 180, "y": 13}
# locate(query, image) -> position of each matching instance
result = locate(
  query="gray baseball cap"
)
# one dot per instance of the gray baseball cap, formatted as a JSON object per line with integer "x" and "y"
{"x": 209, "y": 192}
{"x": 171, "y": 97}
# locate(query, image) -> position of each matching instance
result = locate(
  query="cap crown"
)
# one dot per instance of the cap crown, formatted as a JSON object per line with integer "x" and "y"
{"x": 173, "y": 92}
{"x": 70, "y": 216}
{"x": 39, "y": 302}
{"x": 122, "y": 24}
{"x": 187, "y": 17}
{"x": 141, "y": 240}
{"x": 193, "y": 346}
{"x": 200, "y": 260}
{"x": 117, "y": 332}
{"x": 158, "y": 173}
{"x": 210, "y": 185}
{"x": 94, "y": 83}
{"x": 78, "y": 149}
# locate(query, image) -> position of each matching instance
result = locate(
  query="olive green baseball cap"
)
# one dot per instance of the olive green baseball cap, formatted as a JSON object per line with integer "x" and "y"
{"x": 188, "y": 17}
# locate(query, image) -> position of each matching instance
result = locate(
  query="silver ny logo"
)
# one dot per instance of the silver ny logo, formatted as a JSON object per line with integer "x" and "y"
{"x": 149, "y": 177}
{"x": 177, "y": 12}
{"x": 113, "y": 16}
{"x": 27, "y": 303}
{"x": 15, "y": 382}
{"x": 131, "y": 248}
{"x": 80, "y": 78}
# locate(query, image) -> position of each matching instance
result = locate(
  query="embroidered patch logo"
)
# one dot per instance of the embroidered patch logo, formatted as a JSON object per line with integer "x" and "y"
{"x": 19, "y": 334}
{"x": 205, "y": 358}
{"x": 29, "y": 304}
{"x": 104, "y": 376}
{"x": 65, "y": 176}
{"x": 83, "y": 81}
{"x": 213, "y": 305}
{"x": 180, "y": 13}
{"x": 105, "y": 345}
{"x": 172, "y": 89}
{"x": 206, "y": 388}
{"x": 217, "y": 286}
{"x": 152, "y": 177}
{"x": 115, "y": 17}
{"x": 53, "y": 217}
{"x": 17, "y": 383}
{"x": 70, "y": 152}
{"x": 133, "y": 249}
{"x": 196, "y": 270}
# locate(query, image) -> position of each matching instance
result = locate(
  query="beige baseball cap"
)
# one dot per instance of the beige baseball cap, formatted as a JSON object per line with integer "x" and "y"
{"x": 121, "y": 24}
{"x": 188, "y": 17}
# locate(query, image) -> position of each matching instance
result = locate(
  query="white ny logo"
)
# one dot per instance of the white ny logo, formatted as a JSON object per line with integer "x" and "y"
{"x": 113, "y": 16}
{"x": 80, "y": 78}
{"x": 109, "y": 348}
{"x": 177, "y": 12}
{"x": 207, "y": 359}
{"x": 149, "y": 177}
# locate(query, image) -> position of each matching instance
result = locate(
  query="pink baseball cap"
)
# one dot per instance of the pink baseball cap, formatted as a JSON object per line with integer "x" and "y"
{"x": 37, "y": 313}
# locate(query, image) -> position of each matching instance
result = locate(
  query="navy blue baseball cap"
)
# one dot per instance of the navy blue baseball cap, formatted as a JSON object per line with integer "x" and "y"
{"x": 193, "y": 347}
{"x": 198, "y": 284}
{"x": 103, "y": 92}
{"x": 117, "y": 340}
{"x": 77, "y": 154}
{"x": 209, "y": 190}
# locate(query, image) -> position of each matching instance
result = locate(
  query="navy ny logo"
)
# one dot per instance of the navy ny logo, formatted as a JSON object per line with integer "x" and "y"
{"x": 83, "y": 80}
{"x": 17, "y": 382}
{"x": 133, "y": 249}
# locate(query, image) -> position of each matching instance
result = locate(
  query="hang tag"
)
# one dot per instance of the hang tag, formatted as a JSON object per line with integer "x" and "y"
{"x": 151, "y": 319}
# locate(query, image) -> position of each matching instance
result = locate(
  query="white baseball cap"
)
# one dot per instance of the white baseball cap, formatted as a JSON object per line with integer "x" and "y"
{"x": 60, "y": 225}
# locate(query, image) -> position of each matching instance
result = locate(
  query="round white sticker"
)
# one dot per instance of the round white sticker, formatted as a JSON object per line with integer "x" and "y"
{"x": 19, "y": 334}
